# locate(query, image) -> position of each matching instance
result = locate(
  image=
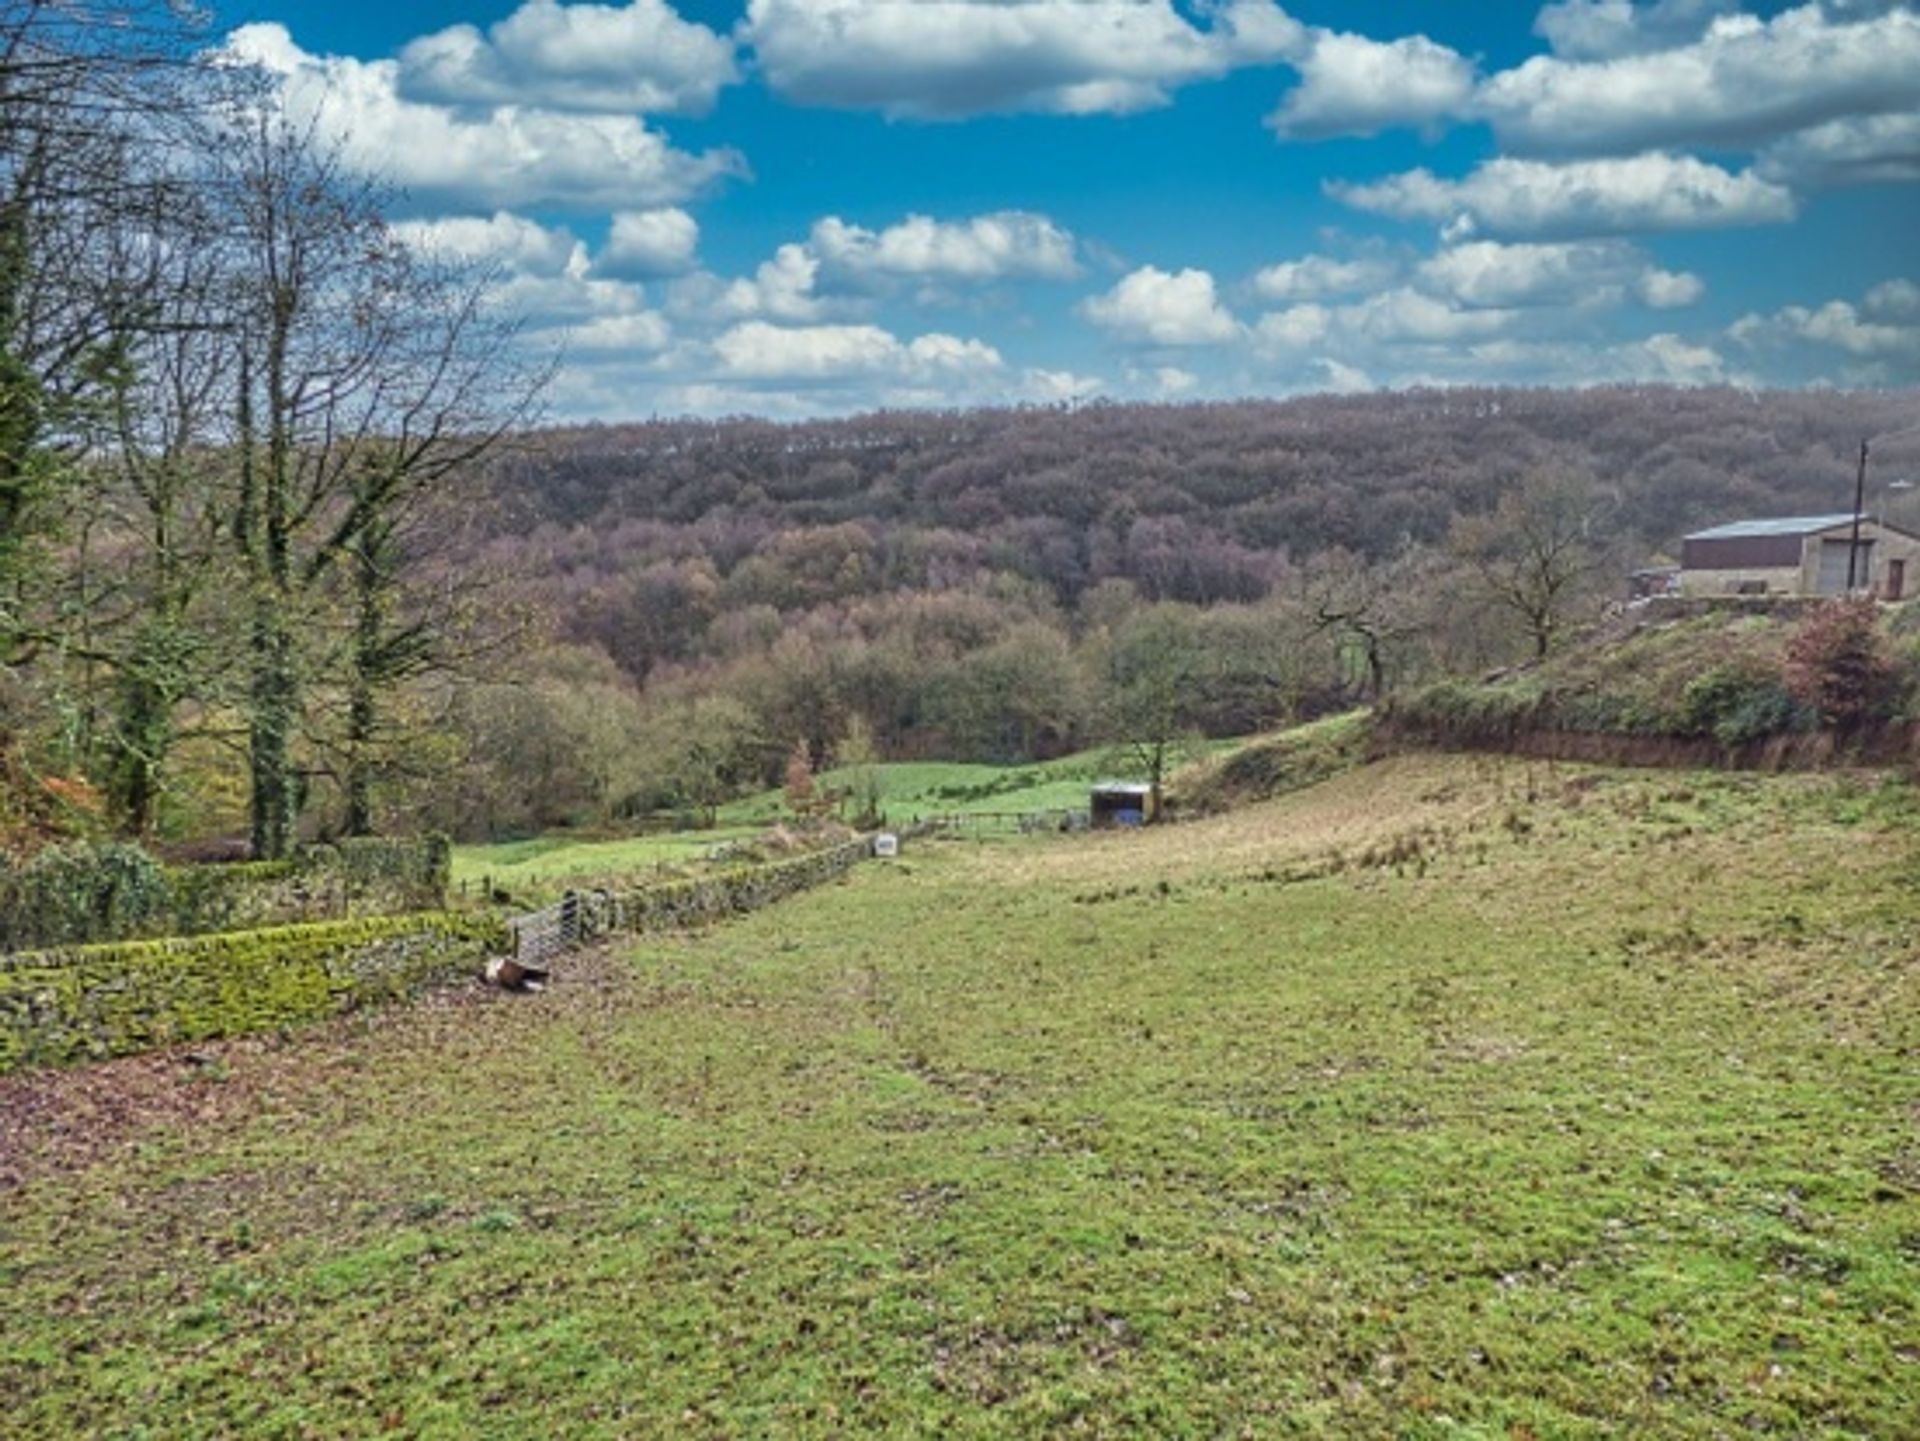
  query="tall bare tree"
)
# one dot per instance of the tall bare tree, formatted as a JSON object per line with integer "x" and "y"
{"x": 1539, "y": 554}
{"x": 1367, "y": 608}
{"x": 368, "y": 378}
{"x": 93, "y": 99}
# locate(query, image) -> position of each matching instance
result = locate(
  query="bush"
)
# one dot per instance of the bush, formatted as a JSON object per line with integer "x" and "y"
{"x": 81, "y": 894}
{"x": 73, "y": 894}
{"x": 1838, "y": 666}
{"x": 1460, "y": 712}
{"x": 1736, "y": 705}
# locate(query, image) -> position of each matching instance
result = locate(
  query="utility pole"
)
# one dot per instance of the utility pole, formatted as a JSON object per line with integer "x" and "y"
{"x": 1859, "y": 499}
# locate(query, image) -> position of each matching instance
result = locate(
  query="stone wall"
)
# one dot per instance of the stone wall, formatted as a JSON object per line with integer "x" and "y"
{"x": 698, "y": 901}
{"x": 91, "y": 1002}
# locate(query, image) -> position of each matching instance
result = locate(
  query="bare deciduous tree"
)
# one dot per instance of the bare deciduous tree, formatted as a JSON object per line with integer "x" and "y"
{"x": 367, "y": 378}
{"x": 1538, "y": 553}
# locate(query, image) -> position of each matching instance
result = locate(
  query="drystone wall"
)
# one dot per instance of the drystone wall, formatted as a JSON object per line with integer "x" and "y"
{"x": 679, "y": 904}
{"x": 91, "y": 1002}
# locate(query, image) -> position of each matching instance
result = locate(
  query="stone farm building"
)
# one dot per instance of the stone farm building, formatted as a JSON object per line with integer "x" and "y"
{"x": 1800, "y": 556}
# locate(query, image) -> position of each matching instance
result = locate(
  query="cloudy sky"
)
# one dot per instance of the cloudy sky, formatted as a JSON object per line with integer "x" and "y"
{"x": 795, "y": 207}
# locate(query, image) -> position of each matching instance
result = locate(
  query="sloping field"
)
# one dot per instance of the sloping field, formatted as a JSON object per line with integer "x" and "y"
{"x": 906, "y": 790}
{"x": 1452, "y": 1097}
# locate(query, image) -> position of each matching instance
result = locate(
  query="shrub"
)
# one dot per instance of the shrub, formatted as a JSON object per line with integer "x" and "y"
{"x": 80, "y": 894}
{"x": 1838, "y": 666}
{"x": 1461, "y": 712}
{"x": 72, "y": 894}
{"x": 1736, "y": 705}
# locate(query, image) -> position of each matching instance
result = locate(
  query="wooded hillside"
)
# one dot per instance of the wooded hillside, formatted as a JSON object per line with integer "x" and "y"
{"x": 1368, "y": 473}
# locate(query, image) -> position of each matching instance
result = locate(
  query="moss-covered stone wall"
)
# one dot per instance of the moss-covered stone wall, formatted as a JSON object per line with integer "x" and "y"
{"x": 91, "y": 1002}
{"x": 703, "y": 899}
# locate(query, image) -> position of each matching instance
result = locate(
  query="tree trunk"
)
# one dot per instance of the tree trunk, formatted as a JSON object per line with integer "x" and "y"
{"x": 363, "y": 702}
{"x": 276, "y": 689}
{"x": 143, "y": 735}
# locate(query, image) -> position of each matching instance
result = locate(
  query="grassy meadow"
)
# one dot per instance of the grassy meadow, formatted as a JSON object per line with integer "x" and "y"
{"x": 1452, "y": 1097}
{"x": 907, "y": 789}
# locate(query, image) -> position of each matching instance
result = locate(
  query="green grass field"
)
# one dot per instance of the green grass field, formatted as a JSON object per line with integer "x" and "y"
{"x": 531, "y": 865}
{"x": 1449, "y": 1098}
{"x": 908, "y": 789}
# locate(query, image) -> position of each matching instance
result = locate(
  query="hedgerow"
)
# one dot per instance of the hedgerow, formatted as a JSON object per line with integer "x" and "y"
{"x": 82, "y": 894}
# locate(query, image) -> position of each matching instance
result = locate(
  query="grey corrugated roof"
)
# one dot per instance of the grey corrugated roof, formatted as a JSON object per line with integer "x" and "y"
{"x": 1786, "y": 525}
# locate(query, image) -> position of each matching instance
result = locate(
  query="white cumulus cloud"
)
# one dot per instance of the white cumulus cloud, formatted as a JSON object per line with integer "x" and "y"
{"x": 1488, "y": 274}
{"x": 1607, "y": 29}
{"x": 1743, "y": 82}
{"x": 755, "y": 350}
{"x": 948, "y": 58}
{"x": 1865, "y": 149}
{"x": 781, "y": 288}
{"x": 510, "y": 156}
{"x": 646, "y": 243}
{"x": 547, "y": 279}
{"x": 1351, "y": 85}
{"x": 1155, "y": 307}
{"x": 843, "y": 269}
{"x": 642, "y": 332}
{"x": 1894, "y": 300}
{"x": 1006, "y": 244}
{"x": 1668, "y": 357}
{"x": 1884, "y": 327}
{"x": 503, "y": 238}
{"x": 1314, "y": 277}
{"x": 1058, "y": 387}
{"x": 1655, "y": 191}
{"x": 636, "y": 57}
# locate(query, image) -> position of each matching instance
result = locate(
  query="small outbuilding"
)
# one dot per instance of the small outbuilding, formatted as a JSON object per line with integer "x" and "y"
{"x": 1120, "y": 803}
{"x": 1653, "y": 581}
{"x": 1807, "y": 555}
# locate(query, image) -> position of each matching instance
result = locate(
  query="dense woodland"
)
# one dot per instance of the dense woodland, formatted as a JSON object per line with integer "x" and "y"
{"x": 1076, "y": 495}
{"x": 282, "y": 554}
{"x": 644, "y": 534}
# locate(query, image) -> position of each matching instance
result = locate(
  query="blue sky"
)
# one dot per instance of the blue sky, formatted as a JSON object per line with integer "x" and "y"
{"x": 795, "y": 207}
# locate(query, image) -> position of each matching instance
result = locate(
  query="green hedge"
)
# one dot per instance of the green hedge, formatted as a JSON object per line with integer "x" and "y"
{"x": 80, "y": 894}
{"x": 1730, "y": 705}
{"x": 90, "y": 1002}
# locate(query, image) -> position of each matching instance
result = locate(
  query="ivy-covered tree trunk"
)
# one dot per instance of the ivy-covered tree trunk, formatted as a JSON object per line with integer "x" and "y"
{"x": 142, "y": 736}
{"x": 366, "y": 378}
{"x": 273, "y": 714}
{"x": 22, "y": 410}
{"x": 368, "y": 676}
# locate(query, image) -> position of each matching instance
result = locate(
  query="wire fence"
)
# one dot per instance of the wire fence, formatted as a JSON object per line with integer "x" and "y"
{"x": 1008, "y": 822}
